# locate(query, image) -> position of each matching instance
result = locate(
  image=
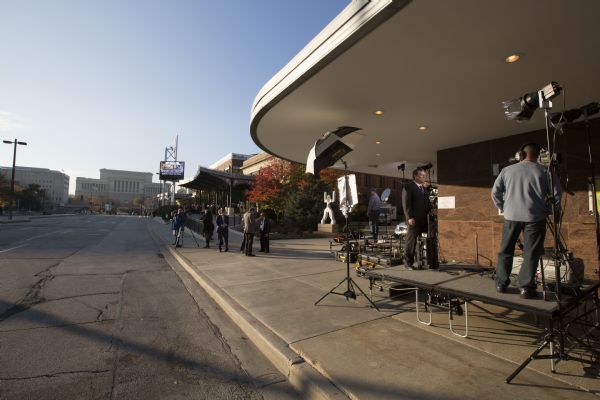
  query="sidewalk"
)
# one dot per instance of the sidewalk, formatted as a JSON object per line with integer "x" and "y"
{"x": 360, "y": 353}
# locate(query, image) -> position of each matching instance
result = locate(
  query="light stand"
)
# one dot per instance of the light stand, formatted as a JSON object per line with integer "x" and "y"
{"x": 350, "y": 292}
{"x": 586, "y": 115}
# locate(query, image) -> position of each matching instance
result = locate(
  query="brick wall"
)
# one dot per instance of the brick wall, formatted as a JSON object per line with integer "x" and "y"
{"x": 472, "y": 231}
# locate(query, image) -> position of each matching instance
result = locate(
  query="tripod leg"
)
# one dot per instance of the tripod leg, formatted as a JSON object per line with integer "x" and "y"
{"x": 331, "y": 291}
{"x": 350, "y": 283}
{"x": 532, "y": 357}
{"x": 544, "y": 296}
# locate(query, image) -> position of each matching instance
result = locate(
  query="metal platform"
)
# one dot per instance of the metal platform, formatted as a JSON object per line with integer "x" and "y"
{"x": 454, "y": 286}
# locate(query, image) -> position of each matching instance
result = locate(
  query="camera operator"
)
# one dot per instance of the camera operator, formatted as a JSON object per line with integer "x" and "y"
{"x": 416, "y": 208}
{"x": 520, "y": 192}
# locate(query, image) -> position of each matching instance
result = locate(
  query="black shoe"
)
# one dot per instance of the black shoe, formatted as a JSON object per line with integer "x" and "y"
{"x": 205, "y": 247}
{"x": 500, "y": 288}
{"x": 261, "y": 251}
{"x": 266, "y": 251}
{"x": 226, "y": 249}
{"x": 528, "y": 293}
{"x": 220, "y": 250}
{"x": 251, "y": 255}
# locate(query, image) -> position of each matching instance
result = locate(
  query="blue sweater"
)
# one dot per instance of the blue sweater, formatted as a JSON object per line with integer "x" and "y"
{"x": 521, "y": 191}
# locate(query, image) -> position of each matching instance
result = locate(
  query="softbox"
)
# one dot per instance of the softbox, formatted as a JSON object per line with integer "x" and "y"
{"x": 328, "y": 149}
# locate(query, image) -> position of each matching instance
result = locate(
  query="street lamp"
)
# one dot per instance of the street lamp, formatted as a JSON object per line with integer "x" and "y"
{"x": 12, "y": 179}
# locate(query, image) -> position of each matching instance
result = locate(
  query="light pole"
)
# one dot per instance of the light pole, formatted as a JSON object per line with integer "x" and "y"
{"x": 12, "y": 179}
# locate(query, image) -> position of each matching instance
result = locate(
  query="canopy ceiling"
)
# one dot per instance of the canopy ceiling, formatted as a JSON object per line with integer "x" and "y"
{"x": 433, "y": 63}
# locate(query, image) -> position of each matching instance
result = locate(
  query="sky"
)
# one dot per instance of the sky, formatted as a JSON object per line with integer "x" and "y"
{"x": 92, "y": 84}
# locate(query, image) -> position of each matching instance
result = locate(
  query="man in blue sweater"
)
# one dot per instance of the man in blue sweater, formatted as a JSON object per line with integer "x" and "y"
{"x": 522, "y": 193}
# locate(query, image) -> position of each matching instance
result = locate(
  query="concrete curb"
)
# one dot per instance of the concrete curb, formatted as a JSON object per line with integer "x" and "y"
{"x": 306, "y": 380}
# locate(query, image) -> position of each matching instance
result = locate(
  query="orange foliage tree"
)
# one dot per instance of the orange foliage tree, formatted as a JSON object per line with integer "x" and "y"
{"x": 271, "y": 187}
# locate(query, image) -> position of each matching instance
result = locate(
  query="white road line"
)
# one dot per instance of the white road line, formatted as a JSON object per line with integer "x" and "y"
{"x": 12, "y": 248}
{"x": 24, "y": 242}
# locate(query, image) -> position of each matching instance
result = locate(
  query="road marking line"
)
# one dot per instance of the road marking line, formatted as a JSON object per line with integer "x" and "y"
{"x": 12, "y": 248}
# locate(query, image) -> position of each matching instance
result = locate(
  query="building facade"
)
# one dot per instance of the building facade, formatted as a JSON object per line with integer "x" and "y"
{"x": 232, "y": 163}
{"x": 120, "y": 188}
{"x": 55, "y": 183}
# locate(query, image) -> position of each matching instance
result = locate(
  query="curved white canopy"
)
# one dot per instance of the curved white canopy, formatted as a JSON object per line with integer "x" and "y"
{"x": 434, "y": 63}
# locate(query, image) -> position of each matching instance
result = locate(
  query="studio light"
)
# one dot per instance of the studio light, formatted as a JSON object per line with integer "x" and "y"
{"x": 522, "y": 109}
{"x": 328, "y": 149}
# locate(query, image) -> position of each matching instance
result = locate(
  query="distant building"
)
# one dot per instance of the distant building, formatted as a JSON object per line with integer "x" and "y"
{"x": 253, "y": 164}
{"x": 232, "y": 162}
{"x": 121, "y": 188}
{"x": 55, "y": 183}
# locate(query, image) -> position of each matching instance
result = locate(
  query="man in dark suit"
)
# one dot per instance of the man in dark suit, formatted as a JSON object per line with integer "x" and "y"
{"x": 416, "y": 208}
{"x": 264, "y": 229}
{"x": 223, "y": 230}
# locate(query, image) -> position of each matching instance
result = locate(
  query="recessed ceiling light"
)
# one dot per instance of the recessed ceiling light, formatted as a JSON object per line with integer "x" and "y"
{"x": 378, "y": 142}
{"x": 379, "y": 113}
{"x": 423, "y": 128}
{"x": 512, "y": 58}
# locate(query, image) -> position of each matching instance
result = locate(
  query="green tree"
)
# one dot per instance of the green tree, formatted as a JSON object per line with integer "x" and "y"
{"x": 4, "y": 190}
{"x": 32, "y": 198}
{"x": 304, "y": 208}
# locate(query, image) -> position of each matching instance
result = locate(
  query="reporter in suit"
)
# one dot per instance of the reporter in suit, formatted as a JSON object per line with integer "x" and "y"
{"x": 416, "y": 208}
{"x": 223, "y": 230}
{"x": 264, "y": 230}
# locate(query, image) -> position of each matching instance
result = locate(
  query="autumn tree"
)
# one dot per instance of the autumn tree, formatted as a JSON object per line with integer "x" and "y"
{"x": 270, "y": 188}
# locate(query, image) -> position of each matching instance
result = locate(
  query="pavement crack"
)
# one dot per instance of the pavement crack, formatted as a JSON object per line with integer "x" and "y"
{"x": 115, "y": 338}
{"x": 33, "y": 296}
{"x": 80, "y": 295}
{"x": 21, "y": 378}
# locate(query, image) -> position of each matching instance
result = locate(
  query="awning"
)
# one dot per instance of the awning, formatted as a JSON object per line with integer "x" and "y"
{"x": 211, "y": 180}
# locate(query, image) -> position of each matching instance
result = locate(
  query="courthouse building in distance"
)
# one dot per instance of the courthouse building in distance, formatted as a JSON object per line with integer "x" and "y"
{"x": 119, "y": 188}
{"x": 55, "y": 183}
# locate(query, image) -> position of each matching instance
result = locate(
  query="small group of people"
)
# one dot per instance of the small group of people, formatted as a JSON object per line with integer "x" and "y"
{"x": 250, "y": 226}
{"x": 521, "y": 192}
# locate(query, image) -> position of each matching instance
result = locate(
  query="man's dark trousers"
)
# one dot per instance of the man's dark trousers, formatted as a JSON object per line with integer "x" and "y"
{"x": 411, "y": 241}
{"x": 264, "y": 242}
{"x": 374, "y": 220}
{"x": 223, "y": 234}
{"x": 533, "y": 248}
{"x": 248, "y": 239}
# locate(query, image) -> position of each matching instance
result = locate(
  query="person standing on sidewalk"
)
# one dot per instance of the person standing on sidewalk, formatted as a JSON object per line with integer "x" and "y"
{"x": 522, "y": 193}
{"x": 249, "y": 229}
{"x": 178, "y": 227}
{"x": 223, "y": 230}
{"x": 373, "y": 213}
{"x": 208, "y": 228}
{"x": 264, "y": 229}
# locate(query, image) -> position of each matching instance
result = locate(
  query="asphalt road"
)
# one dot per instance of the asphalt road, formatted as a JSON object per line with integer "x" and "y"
{"x": 90, "y": 308}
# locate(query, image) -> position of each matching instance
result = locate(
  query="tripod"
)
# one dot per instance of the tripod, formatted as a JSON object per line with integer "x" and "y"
{"x": 350, "y": 292}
